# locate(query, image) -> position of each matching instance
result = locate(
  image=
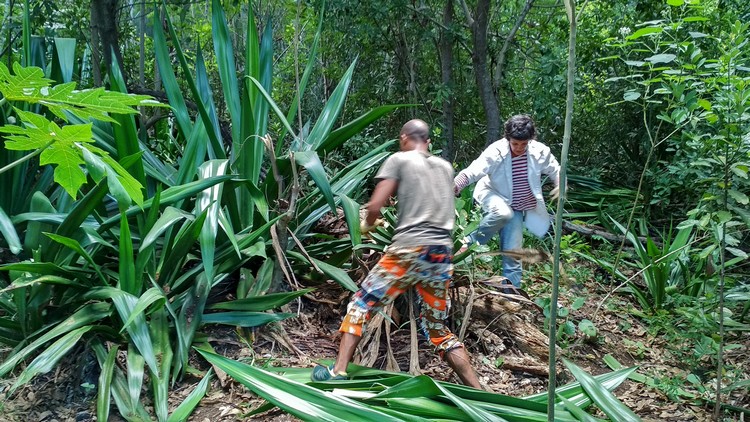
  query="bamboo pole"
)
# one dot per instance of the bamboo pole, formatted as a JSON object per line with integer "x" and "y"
{"x": 570, "y": 8}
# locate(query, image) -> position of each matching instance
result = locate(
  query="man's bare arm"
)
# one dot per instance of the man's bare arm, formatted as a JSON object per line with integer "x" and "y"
{"x": 383, "y": 191}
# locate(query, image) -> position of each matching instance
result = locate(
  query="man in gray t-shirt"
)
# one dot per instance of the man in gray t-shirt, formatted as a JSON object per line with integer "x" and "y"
{"x": 426, "y": 207}
{"x": 419, "y": 256}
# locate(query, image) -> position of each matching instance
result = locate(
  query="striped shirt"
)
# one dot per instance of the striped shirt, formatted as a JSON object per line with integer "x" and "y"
{"x": 523, "y": 199}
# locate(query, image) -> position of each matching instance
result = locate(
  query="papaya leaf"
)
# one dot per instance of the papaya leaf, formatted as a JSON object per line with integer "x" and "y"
{"x": 68, "y": 148}
{"x": 28, "y": 84}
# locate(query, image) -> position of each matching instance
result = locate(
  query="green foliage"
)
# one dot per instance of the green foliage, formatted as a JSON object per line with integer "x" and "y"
{"x": 28, "y": 85}
{"x": 68, "y": 147}
{"x": 142, "y": 277}
{"x": 661, "y": 267}
{"x": 372, "y": 394}
{"x": 568, "y": 329}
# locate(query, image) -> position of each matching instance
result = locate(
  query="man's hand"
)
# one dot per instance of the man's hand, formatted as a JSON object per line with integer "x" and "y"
{"x": 459, "y": 183}
{"x": 365, "y": 228}
{"x": 554, "y": 193}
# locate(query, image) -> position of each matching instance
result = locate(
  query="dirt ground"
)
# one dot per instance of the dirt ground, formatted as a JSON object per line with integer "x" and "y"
{"x": 67, "y": 393}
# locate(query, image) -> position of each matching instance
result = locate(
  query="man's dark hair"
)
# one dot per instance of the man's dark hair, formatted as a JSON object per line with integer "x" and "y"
{"x": 416, "y": 129}
{"x": 520, "y": 127}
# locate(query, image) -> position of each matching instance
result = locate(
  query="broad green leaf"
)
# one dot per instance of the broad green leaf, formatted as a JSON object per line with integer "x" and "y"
{"x": 579, "y": 413}
{"x": 738, "y": 196}
{"x": 119, "y": 389}
{"x": 606, "y": 401}
{"x": 75, "y": 246}
{"x": 34, "y": 280}
{"x": 661, "y": 58}
{"x": 149, "y": 297}
{"x": 94, "y": 164}
{"x": 351, "y": 213}
{"x": 39, "y": 268}
{"x": 306, "y": 403}
{"x": 105, "y": 385}
{"x": 574, "y": 391}
{"x": 167, "y": 74}
{"x": 205, "y": 92}
{"x": 675, "y": 3}
{"x": 243, "y": 318}
{"x": 169, "y": 217}
{"x": 260, "y": 303}
{"x": 64, "y": 59}
{"x": 127, "y": 280}
{"x": 208, "y": 201}
{"x": 265, "y": 77}
{"x": 587, "y": 327}
{"x": 50, "y": 357}
{"x": 138, "y": 331}
{"x": 8, "y": 230}
{"x": 645, "y": 31}
{"x": 126, "y": 137}
{"x": 311, "y": 162}
{"x": 226, "y": 66}
{"x": 187, "y": 77}
{"x": 28, "y": 84}
{"x": 330, "y": 112}
{"x": 181, "y": 246}
{"x": 312, "y": 60}
{"x": 337, "y": 274}
{"x": 160, "y": 332}
{"x": 34, "y": 238}
{"x": 631, "y": 95}
{"x": 247, "y": 153}
{"x": 274, "y": 107}
{"x": 135, "y": 375}
{"x": 83, "y": 317}
{"x": 423, "y": 386}
{"x": 169, "y": 196}
{"x": 337, "y": 137}
{"x": 185, "y": 409}
{"x": 263, "y": 279}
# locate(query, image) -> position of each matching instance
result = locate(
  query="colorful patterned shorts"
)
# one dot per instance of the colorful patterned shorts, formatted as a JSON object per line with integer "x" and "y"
{"x": 426, "y": 268}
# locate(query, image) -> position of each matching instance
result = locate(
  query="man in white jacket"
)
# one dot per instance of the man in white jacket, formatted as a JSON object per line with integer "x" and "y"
{"x": 508, "y": 174}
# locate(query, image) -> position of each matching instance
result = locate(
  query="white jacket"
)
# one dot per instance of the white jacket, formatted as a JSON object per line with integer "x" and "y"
{"x": 493, "y": 173}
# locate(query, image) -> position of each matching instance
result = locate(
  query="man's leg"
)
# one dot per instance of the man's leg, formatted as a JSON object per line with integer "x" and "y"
{"x": 459, "y": 361}
{"x": 347, "y": 347}
{"x": 435, "y": 269}
{"x": 511, "y": 237}
{"x": 386, "y": 281}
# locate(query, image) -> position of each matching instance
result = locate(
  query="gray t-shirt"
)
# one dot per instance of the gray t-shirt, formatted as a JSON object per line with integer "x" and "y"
{"x": 426, "y": 205}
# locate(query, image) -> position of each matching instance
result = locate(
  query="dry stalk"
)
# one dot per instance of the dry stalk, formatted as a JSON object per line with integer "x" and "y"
{"x": 414, "y": 368}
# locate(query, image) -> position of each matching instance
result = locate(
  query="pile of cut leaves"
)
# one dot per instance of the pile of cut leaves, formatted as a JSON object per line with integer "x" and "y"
{"x": 377, "y": 395}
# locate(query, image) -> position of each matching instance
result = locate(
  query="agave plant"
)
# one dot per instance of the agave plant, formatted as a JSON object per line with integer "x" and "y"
{"x": 129, "y": 267}
{"x": 376, "y": 395}
{"x": 662, "y": 267}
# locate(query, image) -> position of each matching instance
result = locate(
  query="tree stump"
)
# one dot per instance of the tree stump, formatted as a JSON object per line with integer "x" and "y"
{"x": 495, "y": 313}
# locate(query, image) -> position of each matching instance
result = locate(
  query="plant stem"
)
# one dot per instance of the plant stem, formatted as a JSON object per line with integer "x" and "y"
{"x": 25, "y": 158}
{"x": 570, "y": 7}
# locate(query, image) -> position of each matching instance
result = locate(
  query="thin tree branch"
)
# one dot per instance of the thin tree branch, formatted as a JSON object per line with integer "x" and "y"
{"x": 508, "y": 39}
{"x": 467, "y": 12}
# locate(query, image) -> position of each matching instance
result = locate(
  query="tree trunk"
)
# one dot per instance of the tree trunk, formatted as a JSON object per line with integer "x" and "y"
{"x": 105, "y": 38}
{"x": 446, "y": 71}
{"x": 481, "y": 72}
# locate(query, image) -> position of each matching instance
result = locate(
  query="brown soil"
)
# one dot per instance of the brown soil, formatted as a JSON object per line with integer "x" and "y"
{"x": 59, "y": 396}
